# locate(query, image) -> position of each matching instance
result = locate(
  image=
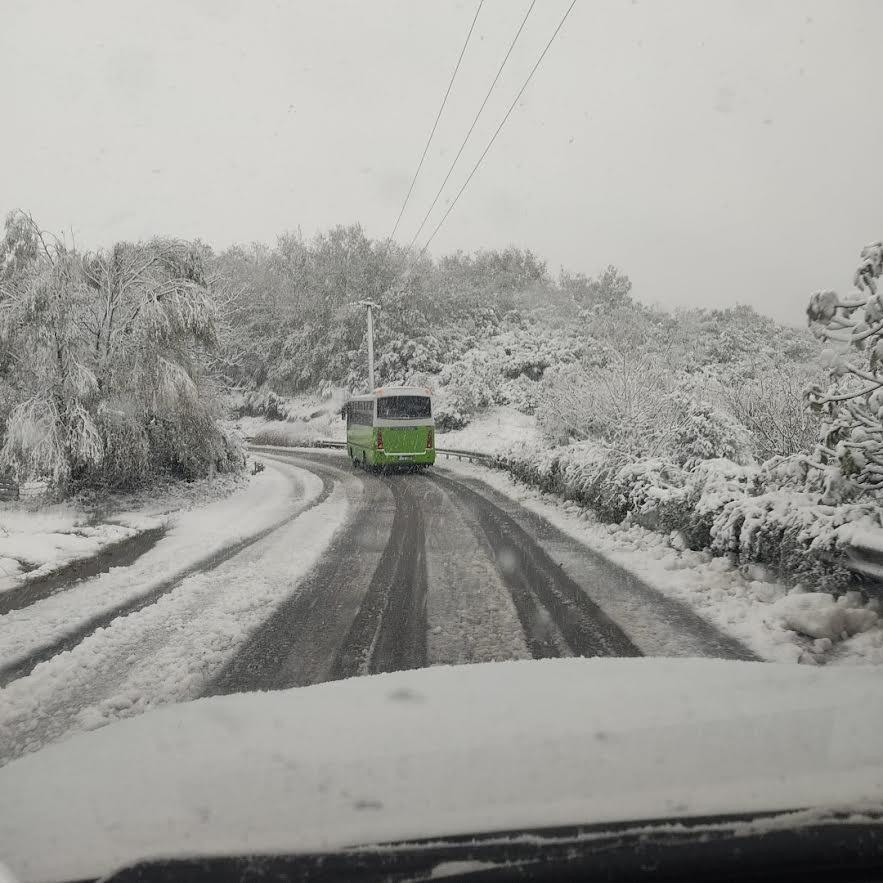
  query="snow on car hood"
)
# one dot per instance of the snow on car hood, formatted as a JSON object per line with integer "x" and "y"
{"x": 445, "y": 751}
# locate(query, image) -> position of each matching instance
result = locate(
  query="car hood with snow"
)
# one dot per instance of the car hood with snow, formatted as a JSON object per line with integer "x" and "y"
{"x": 445, "y": 751}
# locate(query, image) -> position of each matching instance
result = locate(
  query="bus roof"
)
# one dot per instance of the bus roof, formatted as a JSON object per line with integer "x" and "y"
{"x": 384, "y": 391}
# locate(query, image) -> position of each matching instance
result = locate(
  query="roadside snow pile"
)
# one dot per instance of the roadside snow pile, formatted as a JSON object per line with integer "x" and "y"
{"x": 819, "y": 615}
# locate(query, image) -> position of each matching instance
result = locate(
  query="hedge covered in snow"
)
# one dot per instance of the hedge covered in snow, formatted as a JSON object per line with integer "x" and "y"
{"x": 747, "y": 513}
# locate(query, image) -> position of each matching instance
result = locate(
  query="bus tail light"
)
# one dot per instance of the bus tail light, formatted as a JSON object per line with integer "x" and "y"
{"x": 379, "y": 440}
{"x": 430, "y": 439}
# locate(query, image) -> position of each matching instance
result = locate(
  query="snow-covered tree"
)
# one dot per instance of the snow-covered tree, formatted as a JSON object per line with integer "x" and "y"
{"x": 104, "y": 358}
{"x": 851, "y": 441}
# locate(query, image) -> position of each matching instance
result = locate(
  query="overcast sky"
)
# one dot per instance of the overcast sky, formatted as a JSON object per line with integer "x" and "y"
{"x": 717, "y": 152}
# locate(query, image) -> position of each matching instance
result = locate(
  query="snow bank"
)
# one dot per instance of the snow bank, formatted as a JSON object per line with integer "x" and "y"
{"x": 819, "y": 615}
{"x": 193, "y": 536}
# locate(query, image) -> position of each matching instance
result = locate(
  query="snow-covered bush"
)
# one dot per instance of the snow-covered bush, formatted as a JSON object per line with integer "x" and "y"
{"x": 639, "y": 407}
{"x": 522, "y": 394}
{"x": 261, "y": 402}
{"x": 449, "y": 411}
{"x": 703, "y": 432}
{"x": 771, "y": 406}
{"x": 469, "y": 385}
{"x": 655, "y": 494}
{"x": 851, "y": 439}
{"x": 715, "y": 505}
{"x": 792, "y": 533}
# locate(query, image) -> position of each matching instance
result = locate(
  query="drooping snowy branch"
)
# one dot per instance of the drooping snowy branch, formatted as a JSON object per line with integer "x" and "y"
{"x": 851, "y": 440}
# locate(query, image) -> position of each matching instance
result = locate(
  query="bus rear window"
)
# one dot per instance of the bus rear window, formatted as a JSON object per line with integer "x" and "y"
{"x": 404, "y": 408}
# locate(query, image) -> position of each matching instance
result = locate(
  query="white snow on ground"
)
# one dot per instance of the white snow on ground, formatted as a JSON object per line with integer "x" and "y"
{"x": 193, "y": 535}
{"x": 294, "y": 431}
{"x": 813, "y": 614}
{"x": 446, "y": 751}
{"x": 169, "y": 650}
{"x": 34, "y": 543}
{"x": 765, "y": 615}
{"x": 36, "y": 540}
{"x": 491, "y": 432}
{"x": 310, "y": 418}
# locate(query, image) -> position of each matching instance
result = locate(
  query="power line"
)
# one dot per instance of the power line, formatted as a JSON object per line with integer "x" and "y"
{"x": 435, "y": 124}
{"x": 474, "y": 121}
{"x": 502, "y": 123}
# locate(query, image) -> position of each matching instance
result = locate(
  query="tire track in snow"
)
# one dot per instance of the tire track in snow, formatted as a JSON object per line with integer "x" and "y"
{"x": 657, "y": 625}
{"x": 18, "y": 668}
{"x": 298, "y": 645}
{"x": 540, "y": 588}
{"x": 470, "y": 612}
{"x": 119, "y": 554}
{"x": 389, "y": 631}
{"x": 166, "y": 652}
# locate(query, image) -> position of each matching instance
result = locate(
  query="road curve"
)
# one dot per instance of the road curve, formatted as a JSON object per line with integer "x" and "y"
{"x": 378, "y": 572}
{"x": 435, "y": 568}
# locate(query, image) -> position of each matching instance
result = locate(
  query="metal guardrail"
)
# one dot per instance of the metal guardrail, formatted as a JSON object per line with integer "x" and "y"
{"x": 447, "y": 453}
{"x": 8, "y": 490}
{"x": 865, "y": 559}
{"x": 465, "y": 455}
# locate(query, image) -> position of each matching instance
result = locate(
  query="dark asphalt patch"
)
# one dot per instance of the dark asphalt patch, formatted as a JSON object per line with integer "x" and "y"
{"x": 540, "y": 588}
{"x": 389, "y": 632}
{"x": 120, "y": 554}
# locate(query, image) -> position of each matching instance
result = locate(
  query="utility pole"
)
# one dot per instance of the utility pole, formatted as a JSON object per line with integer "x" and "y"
{"x": 370, "y": 305}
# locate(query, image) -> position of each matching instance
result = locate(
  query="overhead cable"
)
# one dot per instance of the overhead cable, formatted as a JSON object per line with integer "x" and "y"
{"x": 497, "y": 132}
{"x": 435, "y": 124}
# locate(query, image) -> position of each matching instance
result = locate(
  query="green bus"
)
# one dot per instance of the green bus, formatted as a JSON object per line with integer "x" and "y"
{"x": 391, "y": 426}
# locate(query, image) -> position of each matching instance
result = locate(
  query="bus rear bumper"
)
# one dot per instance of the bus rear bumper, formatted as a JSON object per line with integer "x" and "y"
{"x": 383, "y": 458}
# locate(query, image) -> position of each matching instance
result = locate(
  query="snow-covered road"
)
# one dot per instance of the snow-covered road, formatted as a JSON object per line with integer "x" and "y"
{"x": 319, "y": 572}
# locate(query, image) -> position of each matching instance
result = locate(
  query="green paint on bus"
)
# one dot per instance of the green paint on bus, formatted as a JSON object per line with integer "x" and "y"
{"x": 392, "y": 426}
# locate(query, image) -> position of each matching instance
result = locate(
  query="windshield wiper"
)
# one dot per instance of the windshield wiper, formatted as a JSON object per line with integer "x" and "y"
{"x": 792, "y": 846}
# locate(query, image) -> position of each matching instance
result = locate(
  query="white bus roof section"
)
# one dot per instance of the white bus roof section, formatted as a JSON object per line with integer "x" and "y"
{"x": 385, "y": 391}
